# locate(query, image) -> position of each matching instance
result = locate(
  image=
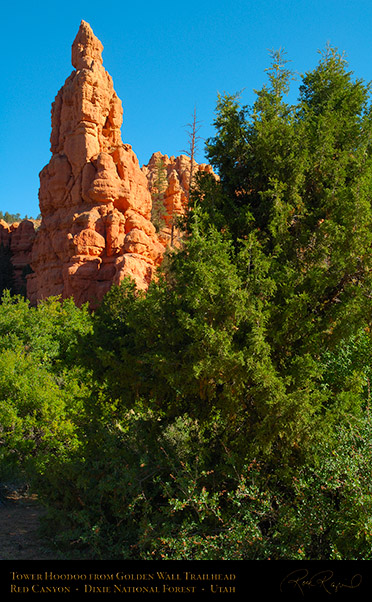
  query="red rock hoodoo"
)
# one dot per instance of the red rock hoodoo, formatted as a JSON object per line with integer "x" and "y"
{"x": 94, "y": 199}
{"x": 98, "y": 222}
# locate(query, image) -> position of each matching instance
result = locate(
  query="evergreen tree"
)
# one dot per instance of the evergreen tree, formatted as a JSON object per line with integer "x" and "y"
{"x": 10, "y": 217}
{"x": 298, "y": 179}
{"x": 276, "y": 270}
{"x": 230, "y": 402}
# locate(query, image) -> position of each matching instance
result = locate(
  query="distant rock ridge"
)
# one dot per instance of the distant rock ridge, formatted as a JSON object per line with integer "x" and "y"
{"x": 95, "y": 200}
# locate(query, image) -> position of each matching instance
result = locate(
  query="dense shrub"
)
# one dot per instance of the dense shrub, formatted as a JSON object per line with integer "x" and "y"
{"x": 41, "y": 392}
{"x": 158, "y": 491}
{"x": 224, "y": 414}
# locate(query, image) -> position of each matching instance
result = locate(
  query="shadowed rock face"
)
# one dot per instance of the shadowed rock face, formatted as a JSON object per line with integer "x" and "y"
{"x": 16, "y": 241}
{"x": 94, "y": 199}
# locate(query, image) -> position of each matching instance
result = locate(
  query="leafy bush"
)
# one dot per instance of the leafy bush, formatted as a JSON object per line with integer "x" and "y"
{"x": 40, "y": 391}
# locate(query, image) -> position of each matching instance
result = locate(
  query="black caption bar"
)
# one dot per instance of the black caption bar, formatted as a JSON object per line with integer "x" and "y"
{"x": 173, "y": 580}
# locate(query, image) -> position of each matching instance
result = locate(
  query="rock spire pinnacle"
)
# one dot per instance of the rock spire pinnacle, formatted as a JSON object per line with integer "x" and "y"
{"x": 94, "y": 199}
{"x": 86, "y": 48}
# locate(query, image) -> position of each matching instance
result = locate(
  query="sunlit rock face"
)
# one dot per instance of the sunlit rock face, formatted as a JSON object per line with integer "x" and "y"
{"x": 178, "y": 175}
{"x": 94, "y": 199}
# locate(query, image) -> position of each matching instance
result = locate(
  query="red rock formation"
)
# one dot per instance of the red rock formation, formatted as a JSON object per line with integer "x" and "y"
{"x": 21, "y": 243}
{"x": 94, "y": 199}
{"x": 16, "y": 242}
{"x": 175, "y": 190}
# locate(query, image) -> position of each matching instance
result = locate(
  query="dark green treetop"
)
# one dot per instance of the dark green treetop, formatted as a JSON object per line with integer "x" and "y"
{"x": 275, "y": 271}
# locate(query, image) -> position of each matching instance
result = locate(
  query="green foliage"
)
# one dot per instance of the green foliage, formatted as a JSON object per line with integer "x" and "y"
{"x": 36, "y": 414}
{"x": 41, "y": 391}
{"x": 48, "y": 331}
{"x": 349, "y": 366}
{"x": 299, "y": 178}
{"x": 149, "y": 494}
{"x": 295, "y": 182}
{"x": 333, "y": 500}
{"x": 173, "y": 490}
{"x": 224, "y": 413}
{"x": 10, "y": 217}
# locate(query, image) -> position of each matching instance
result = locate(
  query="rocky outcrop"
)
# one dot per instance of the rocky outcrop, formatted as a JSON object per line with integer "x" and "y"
{"x": 169, "y": 183}
{"x": 16, "y": 242}
{"x": 94, "y": 199}
{"x": 21, "y": 244}
{"x": 5, "y": 233}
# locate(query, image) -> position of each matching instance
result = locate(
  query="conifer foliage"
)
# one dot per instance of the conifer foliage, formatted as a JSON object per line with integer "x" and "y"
{"x": 230, "y": 404}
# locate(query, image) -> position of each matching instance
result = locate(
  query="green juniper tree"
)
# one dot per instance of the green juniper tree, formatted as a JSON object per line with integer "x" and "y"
{"x": 298, "y": 179}
{"x": 277, "y": 267}
{"x": 230, "y": 403}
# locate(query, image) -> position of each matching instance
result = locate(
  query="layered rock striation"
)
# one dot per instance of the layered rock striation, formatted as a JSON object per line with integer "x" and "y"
{"x": 94, "y": 199}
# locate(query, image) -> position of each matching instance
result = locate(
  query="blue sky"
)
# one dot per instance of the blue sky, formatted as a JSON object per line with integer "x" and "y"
{"x": 165, "y": 58}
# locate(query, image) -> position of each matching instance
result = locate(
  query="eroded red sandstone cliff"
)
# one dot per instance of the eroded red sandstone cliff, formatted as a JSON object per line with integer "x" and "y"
{"x": 94, "y": 199}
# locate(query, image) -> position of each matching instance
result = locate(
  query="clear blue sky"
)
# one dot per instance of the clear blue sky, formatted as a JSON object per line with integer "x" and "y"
{"x": 165, "y": 58}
